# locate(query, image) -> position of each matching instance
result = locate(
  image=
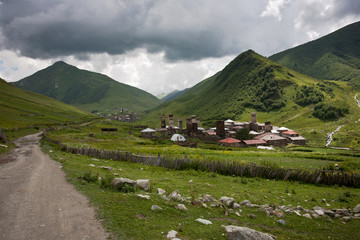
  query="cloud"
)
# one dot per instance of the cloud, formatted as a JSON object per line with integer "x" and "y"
{"x": 273, "y": 8}
{"x": 158, "y": 45}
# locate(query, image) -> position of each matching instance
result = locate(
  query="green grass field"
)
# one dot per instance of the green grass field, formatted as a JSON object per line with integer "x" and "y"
{"x": 127, "y": 216}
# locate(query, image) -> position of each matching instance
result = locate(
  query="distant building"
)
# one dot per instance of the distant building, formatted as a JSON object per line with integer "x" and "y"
{"x": 230, "y": 142}
{"x": 254, "y": 143}
{"x": 148, "y": 133}
{"x": 272, "y": 139}
{"x": 297, "y": 140}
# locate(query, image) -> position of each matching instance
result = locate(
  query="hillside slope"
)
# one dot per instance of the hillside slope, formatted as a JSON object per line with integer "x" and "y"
{"x": 335, "y": 56}
{"x": 173, "y": 95}
{"x": 278, "y": 94}
{"x": 20, "y": 108}
{"x": 87, "y": 90}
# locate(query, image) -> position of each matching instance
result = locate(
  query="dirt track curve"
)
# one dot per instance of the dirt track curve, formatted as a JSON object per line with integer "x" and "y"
{"x": 36, "y": 202}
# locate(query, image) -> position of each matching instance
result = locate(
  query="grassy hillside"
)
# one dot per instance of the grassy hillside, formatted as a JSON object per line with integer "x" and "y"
{"x": 174, "y": 94}
{"x": 280, "y": 95}
{"x": 21, "y": 109}
{"x": 334, "y": 57}
{"x": 87, "y": 90}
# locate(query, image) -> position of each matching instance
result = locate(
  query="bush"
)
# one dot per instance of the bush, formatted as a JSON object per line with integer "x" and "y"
{"x": 106, "y": 181}
{"x": 331, "y": 111}
{"x": 89, "y": 177}
{"x": 308, "y": 95}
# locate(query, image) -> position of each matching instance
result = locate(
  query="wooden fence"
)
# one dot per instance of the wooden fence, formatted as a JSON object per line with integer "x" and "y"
{"x": 231, "y": 168}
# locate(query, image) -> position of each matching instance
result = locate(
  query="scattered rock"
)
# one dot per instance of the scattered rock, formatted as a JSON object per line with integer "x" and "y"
{"x": 297, "y": 212}
{"x": 329, "y": 213}
{"x": 307, "y": 215}
{"x": 228, "y": 201}
{"x": 246, "y": 203}
{"x": 278, "y": 213}
{"x": 2, "y": 137}
{"x": 251, "y": 216}
{"x": 116, "y": 174}
{"x": 347, "y": 218}
{"x": 106, "y": 168}
{"x": 161, "y": 191}
{"x": 343, "y": 212}
{"x": 91, "y": 165}
{"x": 357, "y": 215}
{"x": 165, "y": 197}
{"x": 119, "y": 182}
{"x": 319, "y": 212}
{"x": 95, "y": 159}
{"x": 190, "y": 181}
{"x": 208, "y": 198}
{"x": 175, "y": 195}
{"x": 155, "y": 208}
{"x": 143, "y": 196}
{"x": 282, "y": 222}
{"x": 203, "y": 221}
{"x": 181, "y": 207}
{"x": 143, "y": 184}
{"x": 171, "y": 234}
{"x": 323, "y": 200}
{"x": 357, "y": 209}
{"x": 236, "y": 233}
{"x": 204, "y": 205}
{"x": 315, "y": 215}
{"x": 236, "y": 205}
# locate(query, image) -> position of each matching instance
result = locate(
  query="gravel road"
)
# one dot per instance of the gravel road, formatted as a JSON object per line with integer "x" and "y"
{"x": 36, "y": 202}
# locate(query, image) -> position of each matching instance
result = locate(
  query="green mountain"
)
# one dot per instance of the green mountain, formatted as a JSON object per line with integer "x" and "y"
{"x": 335, "y": 56}
{"x": 174, "y": 94}
{"x": 21, "y": 109}
{"x": 278, "y": 94}
{"x": 87, "y": 90}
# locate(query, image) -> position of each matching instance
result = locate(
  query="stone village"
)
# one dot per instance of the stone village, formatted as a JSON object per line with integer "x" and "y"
{"x": 262, "y": 135}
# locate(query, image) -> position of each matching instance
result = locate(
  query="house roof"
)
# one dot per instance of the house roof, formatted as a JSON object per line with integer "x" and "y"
{"x": 269, "y": 136}
{"x": 229, "y": 140}
{"x": 254, "y": 142}
{"x": 290, "y": 132}
{"x": 283, "y": 129}
{"x": 148, "y": 130}
{"x": 297, "y": 138}
{"x": 229, "y": 121}
{"x": 254, "y": 133}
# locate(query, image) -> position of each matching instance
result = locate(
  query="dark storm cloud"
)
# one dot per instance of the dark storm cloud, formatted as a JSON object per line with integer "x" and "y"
{"x": 184, "y": 30}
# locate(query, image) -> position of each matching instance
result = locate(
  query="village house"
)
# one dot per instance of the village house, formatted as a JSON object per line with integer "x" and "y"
{"x": 272, "y": 139}
{"x": 148, "y": 133}
{"x": 230, "y": 142}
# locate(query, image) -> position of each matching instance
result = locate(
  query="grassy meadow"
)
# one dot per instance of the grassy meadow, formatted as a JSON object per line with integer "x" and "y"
{"x": 128, "y": 216}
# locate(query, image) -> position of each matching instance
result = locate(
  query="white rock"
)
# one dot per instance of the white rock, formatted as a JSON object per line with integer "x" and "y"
{"x": 228, "y": 201}
{"x": 307, "y": 216}
{"x": 161, "y": 191}
{"x": 315, "y": 215}
{"x": 236, "y": 205}
{"x": 203, "y": 221}
{"x": 171, "y": 234}
{"x": 143, "y": 184}
{"x": 319, "y": 212}
{"x": 246, "y": 203}
{"x": 175, "y": 195}
{"x": 94, "y": 159}
{"x": 106, "y": 168}
{"x": 357, "y": 209}
{"x": 144, "y": 196}
{"x": 297, "y": 212}
{"x": 155, "y": 207}
{"x": 237, "y": 233}
{"x": 181, "y": 207}
{"x": 91, "y": 165}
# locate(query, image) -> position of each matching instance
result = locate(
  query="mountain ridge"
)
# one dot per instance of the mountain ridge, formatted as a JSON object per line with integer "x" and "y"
{"x": 85, "y": 89}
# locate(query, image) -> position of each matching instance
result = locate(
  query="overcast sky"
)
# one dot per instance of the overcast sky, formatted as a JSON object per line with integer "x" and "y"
{"x": 157, "y": 45}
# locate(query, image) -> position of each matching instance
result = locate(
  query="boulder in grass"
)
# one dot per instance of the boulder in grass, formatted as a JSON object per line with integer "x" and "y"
{"x": 181, "y": 207}
{"x": 357, "y": 209}
{"x": 143, "y": 184}
{"x": 203, "y": 221}
{"x": 236, "y": 233}
{"x": 161, "y": 191}
{"x": 228, "y": 201}
{"x": 171, "y": 234}
{"x": 119, "y": 182}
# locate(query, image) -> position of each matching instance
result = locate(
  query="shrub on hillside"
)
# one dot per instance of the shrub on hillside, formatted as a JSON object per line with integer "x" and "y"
{"x": 331, "y": 111}
{"x": 308, "y": 95}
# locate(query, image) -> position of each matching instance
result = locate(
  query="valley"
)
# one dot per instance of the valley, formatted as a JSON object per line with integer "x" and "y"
{"x": 113, "y": 144}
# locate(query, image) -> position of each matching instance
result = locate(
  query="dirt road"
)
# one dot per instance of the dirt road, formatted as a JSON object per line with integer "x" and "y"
{"x": 36, "y": 202}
